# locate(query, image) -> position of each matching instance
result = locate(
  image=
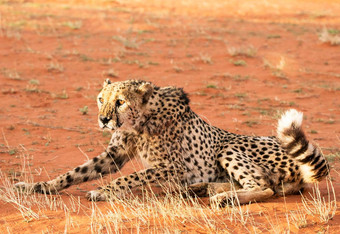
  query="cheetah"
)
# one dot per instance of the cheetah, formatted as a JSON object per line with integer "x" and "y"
{"x": 175, "y": 144}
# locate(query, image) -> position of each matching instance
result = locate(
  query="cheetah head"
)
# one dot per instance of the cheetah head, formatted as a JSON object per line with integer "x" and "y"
{"x": 122, "y": 104}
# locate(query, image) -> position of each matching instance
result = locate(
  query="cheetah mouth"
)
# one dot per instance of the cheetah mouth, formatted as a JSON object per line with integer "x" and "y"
{"x": 113, "y": 123}
{"x": 105, "y": 126}
{"x": 111, "y": 126}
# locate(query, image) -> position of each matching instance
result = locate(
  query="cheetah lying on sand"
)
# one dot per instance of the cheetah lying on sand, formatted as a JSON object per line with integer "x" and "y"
{"x": 157, "y": 125}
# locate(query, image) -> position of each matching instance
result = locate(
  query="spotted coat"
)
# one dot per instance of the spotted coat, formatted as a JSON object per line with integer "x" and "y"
{"x": 175, "y": 144}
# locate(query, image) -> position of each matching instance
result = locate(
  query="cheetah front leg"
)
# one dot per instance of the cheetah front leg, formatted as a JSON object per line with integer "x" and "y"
{"x": 109, "y": 161}
{"x": 121, "y": 186}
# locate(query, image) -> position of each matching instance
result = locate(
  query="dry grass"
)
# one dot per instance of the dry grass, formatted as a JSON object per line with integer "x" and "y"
{"x": 170, "y": 213}
{"x": 317, "y": 205}
{"x": 277, "y": 70}
{"x": 330, "y": 36}
{"x": 250, "y": 51}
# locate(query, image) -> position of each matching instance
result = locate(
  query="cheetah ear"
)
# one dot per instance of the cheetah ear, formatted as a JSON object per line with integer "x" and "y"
{"x": 107, "y": 82}
{"x": 145, "y": 90}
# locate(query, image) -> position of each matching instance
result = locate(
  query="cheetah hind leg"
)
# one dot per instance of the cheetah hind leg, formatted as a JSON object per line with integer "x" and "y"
{"x": 210, "y": 189}
{"x": 241, "y": 196}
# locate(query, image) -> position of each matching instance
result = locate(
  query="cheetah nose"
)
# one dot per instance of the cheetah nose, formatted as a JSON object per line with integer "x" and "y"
{"x": 104, "y": 119}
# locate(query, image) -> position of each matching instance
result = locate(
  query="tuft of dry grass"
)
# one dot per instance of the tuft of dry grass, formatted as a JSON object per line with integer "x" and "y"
{"x": 55, "y": 67}
{"x": 111, "y": 73}
{"x": 250, "y": 51}
{"x": 330, "y": 36}
{"x": 11, "y": 74}
{"x": 205, "y": 58}
{"x": 323, "y": 208}
{"x": 129, "y": 43}
{"x": 276, "y": 69}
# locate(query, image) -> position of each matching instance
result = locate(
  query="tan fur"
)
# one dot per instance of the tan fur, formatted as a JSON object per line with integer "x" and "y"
{"x": 178, "y": 147}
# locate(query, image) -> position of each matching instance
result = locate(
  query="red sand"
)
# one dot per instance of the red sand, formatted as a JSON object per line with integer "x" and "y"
{"x": 54, "y": 58}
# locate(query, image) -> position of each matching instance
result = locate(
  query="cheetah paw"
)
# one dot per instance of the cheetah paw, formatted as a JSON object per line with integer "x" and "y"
{"x": 24, "y": 187}
{"x": 96, "y": 195}
{"x": 241, "y": 196}
{"x": 223, "y": 199}
{"x": 30, "y": 188}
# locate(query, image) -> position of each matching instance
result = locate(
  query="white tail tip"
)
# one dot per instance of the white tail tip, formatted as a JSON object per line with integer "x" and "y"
{"x": 289, "y": 118}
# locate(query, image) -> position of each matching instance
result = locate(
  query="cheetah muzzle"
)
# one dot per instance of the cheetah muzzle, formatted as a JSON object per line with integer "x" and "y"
{"x": 175, "y": 144}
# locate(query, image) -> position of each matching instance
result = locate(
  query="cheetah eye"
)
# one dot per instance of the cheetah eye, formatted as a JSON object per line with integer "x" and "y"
{"x": 120, "y": 102}
{"x": 101, "y": 100}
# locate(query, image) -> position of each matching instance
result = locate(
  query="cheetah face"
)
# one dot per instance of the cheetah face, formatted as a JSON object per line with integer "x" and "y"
{"x": 122, "y": 104}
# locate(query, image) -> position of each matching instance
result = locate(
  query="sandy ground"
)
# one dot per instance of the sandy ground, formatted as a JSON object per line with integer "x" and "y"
{"x": 242, "y": 64}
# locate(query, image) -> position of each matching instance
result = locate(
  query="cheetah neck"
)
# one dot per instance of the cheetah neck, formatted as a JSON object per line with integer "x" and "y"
{"x": 166, "y": 109}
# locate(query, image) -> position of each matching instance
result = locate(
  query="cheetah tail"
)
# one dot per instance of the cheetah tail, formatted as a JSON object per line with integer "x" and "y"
{"x": 313, "y": 165}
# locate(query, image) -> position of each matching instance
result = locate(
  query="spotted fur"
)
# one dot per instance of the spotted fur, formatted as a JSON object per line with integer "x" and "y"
{"x": 175, "y": 144}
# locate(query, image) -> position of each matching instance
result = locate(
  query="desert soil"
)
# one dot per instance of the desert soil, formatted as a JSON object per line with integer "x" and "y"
{"x": 242, "y": 64}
